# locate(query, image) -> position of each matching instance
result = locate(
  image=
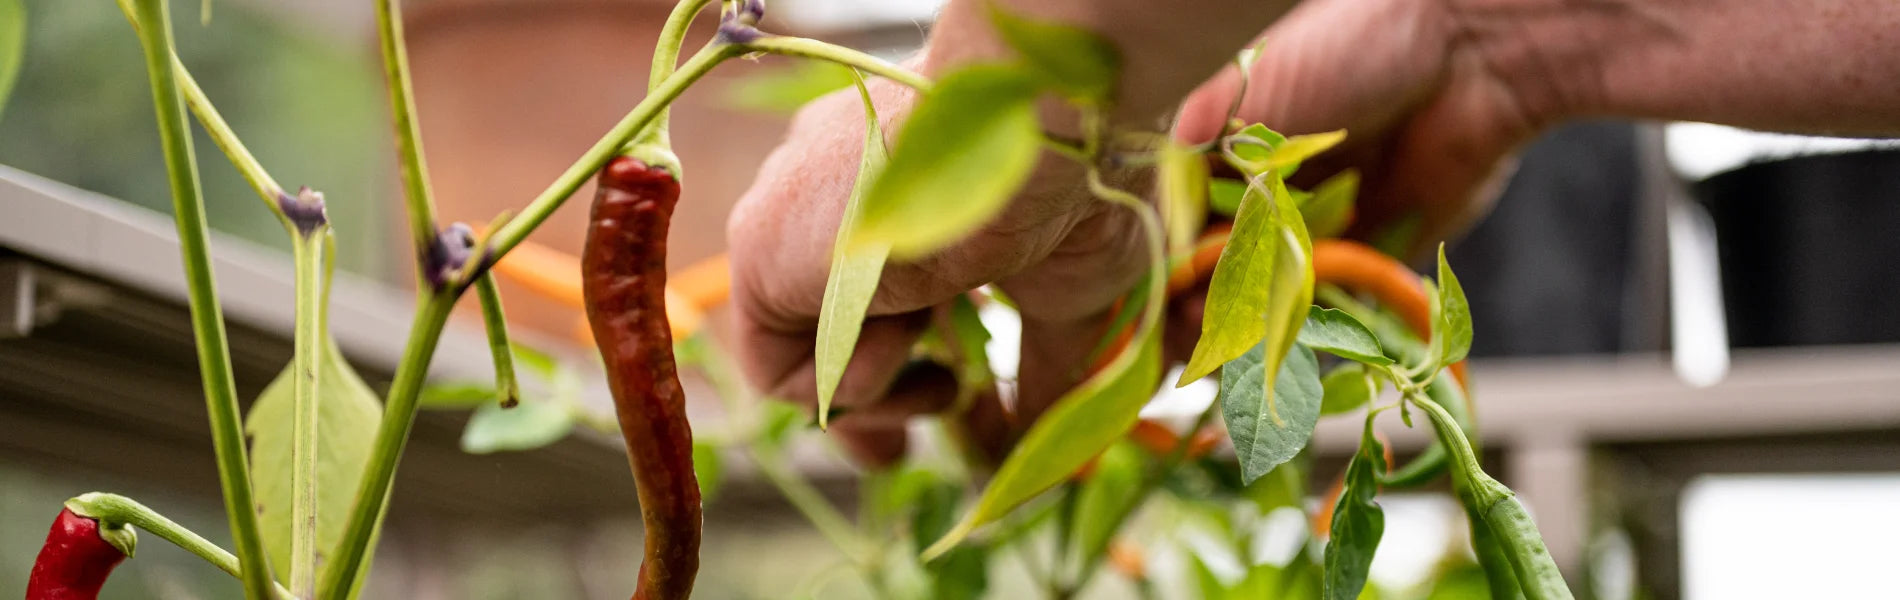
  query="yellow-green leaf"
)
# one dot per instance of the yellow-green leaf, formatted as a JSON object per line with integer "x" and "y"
{"x": 1072, "y": 60}
{"x": 1330, "y": 209}
{"x": 1261, "y": 286}
{"x": 855, "y": 270}
{"x": 1451, "y": 331}
{"x": 12, "y": 45}
{"x": 348, "y": 414}
{"x": 1111, "y": 492}
{"x": 1079, "y": 426}
{"x": 784, "y": 90}
{"x": 1184, "y": 182}
{"x": 1346, "y": 388}
{"x": 1296, "y": 149}
{"x": 965, "y": 150}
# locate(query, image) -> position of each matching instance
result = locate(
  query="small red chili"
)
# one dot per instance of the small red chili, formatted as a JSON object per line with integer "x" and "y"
{"x": 75, "y": 561}
{"x": 623, "y": 269}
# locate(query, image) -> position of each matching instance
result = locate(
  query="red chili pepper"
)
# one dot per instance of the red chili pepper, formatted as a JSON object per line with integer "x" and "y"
{"x": 74, "y": 562}
{"x": 623, "y": 270}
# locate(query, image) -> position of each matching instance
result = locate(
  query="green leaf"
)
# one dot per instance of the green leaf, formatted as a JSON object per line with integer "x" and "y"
{"x": 1268, "y": 430}
{"x": 1451, "y": 329}
{"x": 347, "y": 417}
{"x": 534, "y": 361}
{"x": 784, "y": 90}
{"x": 972, "y": 342}
{"x": 1072, "y": 60}
{"x": 456, "y": 395}
{"x": 1224, "y": 195}
{"x": 1358, "y": 521}
{"x": 12, "y": 46}
{"x": 1287, "y": 156}
{"x": 1329, "y": 211}
{"x": 965, "y": 150}
{"x": 777, "y": 421}
{"x": 1239, "y": 288}
{"x": 708, "y": 469}
{"x": 1112, "y": 490}
{"x": 1333, "y": 330}
{"x": 1253, "y": 153}
{"x": 529, "y": 425}
{"x": 855, "y": 269}
{"x": 1080, "y": 425}
{"x": 1346, "y": 389}
{"x": 1284, "y": 486}
{"x": 1184, "y": 183}
{"x": 963, "y": 574}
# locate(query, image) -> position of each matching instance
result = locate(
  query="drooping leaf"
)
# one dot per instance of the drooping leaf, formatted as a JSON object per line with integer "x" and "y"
{"x": 1077, "y": 427}
{"x": 1184, "y": 183}
{"x": 1451, "y": 329}
{"x": 1252, "y": 153}
{"x": 1111, "y": 491}
{"x": 855, "y": 270}
{"x": 1260, "y": 288}
{"x": 1288, "y": 155}
{"x": 1358, "y": 521}
{"x": 786, "y": 89}
{"x": 12, "y": 46}
{"x": 1268, "y": 430}
{"x": 529, "y": 425}
{"x": 1330, "y": 209}
{"x": 1072, "y": 60}
{"x": 708, "y": 469}
{"x": 1335, "y": 331}
{"x": 1346, "y": 389}
{"x": 348, "y": 414}
{"x": 1224, "y": 195}
{"x": 965, "y": 150}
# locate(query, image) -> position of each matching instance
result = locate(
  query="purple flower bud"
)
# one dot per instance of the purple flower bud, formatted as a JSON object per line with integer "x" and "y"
{"x": 305, "y": 210}
{"x": 449, "y": 253}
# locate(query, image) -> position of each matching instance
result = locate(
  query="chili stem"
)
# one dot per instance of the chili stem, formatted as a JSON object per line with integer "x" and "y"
{"x": 116, "y": 509}
{"x": 308, "y": 256}
{"x": 507, "y": 388}
{"x": 810, "y": 48}
{"x": 345, "y": 564}
{"x": 417, "y": 194}
{"x": 207, "y": 316}
{"x": 666, "y": 56}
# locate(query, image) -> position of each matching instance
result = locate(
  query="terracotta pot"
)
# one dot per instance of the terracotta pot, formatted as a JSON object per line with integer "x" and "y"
{"x": 512, "y": 91}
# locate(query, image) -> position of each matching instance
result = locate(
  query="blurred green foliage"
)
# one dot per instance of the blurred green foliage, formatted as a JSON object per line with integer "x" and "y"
{"x": 306, "y": 101}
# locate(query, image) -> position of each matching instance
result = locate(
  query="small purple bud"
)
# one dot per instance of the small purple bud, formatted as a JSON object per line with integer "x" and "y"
{"x": 449, "y": 253}
{"x": 751, "y": 11}
{"x": 738, "y": 33}
{"x": 305, "y": 210}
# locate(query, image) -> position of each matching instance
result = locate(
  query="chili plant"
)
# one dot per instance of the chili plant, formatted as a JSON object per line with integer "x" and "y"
{"x": 307, "y": 496}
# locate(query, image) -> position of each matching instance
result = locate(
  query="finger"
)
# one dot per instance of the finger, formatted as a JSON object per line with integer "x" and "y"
{"x": 784, "y": 363}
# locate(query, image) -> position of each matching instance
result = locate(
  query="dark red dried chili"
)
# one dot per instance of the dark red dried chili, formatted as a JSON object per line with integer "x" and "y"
{"x": 74, "y": 562}
{"x": 623, "y": 270}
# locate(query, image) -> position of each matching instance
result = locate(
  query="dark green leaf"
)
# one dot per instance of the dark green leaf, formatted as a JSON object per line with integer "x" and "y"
{"x": 456, "y": 395}
{"x": 1333, "y": 330}
{"x": 855, "y": 270}
{"x": 708, "y": 469}
{"x": 1268, "y": 430}
{"x": 963, "y": 574}
{"x": 1358, "y": 521}
{"x": 12, "y": 46}
{"x": 1347, "y": 388}
{"x": 1111, "y": 492}
{"x": 529, "y": 425}
{"x": 1329, "y": 211}
{"x": 1224, "y": 195}
{"x": 1078, "y": 426}
{"x": 347, "y": 415}
{"x": 1075, "y": 61}
{"x": 965, "y": 150}
{"x": 1451, "y": 331}
{"x": 786, "y": 89}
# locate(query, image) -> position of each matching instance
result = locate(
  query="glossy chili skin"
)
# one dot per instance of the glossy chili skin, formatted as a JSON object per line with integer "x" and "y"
{"x": 75, "y": 561}
{"x": 624, "y": 281}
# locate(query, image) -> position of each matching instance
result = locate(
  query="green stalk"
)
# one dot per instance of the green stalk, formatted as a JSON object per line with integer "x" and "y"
{"x": 810, "y": 48}
{"x": 508, "y": 236}
{"x": 215, "y": 126}
{"x": 507, "y": 389}
{"x": 402, "y": 105}
{"x": 345, "y": 565}
{"x": 207, "y": 318}
{"x": 666, "y": 56}
{"x": 112, "y": 510}
{"x": 308, "y": 256}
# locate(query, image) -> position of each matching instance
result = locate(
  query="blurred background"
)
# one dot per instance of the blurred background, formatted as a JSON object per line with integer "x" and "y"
{"x": 1684, "y": 357}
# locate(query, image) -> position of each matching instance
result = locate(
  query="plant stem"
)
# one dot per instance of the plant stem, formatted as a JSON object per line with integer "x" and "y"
{"x": 402, "y": 106}
{"x": 345, "y": 565}
{"x": 309, "y": 340}
{"x": 666, "y": 56}
{"x": 215, "y": 126}
{"x": 543, "y": 205}
{"x": 207, "y": 318}
{"x": 115, "y": 509}
{"x": 810, "y": 48}
{"x": 496, "y": 323}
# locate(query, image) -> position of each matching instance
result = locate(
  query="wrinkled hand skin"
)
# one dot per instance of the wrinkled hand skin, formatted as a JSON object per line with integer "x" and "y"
{"x": 1429, "y": 127}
